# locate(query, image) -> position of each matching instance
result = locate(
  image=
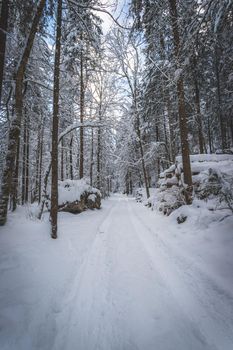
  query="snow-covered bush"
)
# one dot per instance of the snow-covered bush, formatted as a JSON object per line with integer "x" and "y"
{"x": 170, "y": 199}
{"x": 217, "y": 185}
{"x": 138, "y": 195}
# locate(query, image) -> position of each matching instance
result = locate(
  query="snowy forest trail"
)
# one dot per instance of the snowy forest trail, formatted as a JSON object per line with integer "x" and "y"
{"x": 114, "y": 280}
{"x": 134, "y": 291}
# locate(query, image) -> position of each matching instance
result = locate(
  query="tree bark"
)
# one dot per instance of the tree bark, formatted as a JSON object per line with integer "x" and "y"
{"x": 99, "y": 182}
{"x": 181, "y": 104}
{"x": 198, "y": 118}
{"x": 27, "y": 162}
{"x": 56, "y": 87}
{"x": 15, "y": 127}
{"x": 3, "y": 30}
{"x": 221, "y": 118}
{"x": 143, "y": 162}
{"x": 81, "y": 155}
{"x": 198, "y": 108}
{"x": 15, "y": 179}
{"x": 92, "y": 157}
{"x": 35, "y": 194}
{"x": 24, "y": 160}
{"x": 41, "y": 163}
{"x": 62, "y": 160}
{"x": 71, "y": 158}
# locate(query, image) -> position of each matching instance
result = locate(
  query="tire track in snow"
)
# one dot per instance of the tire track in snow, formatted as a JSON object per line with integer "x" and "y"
{"x": 205, "y": 304}
{"x": 80, "y": 304}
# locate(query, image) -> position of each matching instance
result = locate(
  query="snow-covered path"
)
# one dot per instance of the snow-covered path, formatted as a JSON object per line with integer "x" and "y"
{"x": 128, "y": 287}
{"x": 134, "y": 292}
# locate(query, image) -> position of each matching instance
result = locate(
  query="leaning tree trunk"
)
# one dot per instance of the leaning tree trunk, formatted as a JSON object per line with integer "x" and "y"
{"x": 54, "y": 185}
{"x": 3, "y": 30}
{"x": 181, "y": 105}
{"x": 15, "y": 127}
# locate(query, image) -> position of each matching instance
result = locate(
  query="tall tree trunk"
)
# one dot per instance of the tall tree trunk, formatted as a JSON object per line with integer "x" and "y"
{"x": 3, "y": 30}
{"x": 99, "y": 182}
{"x": 172, "y": 148}
{"x": 130, "y": 183}
{"x": 181, "y": 104}
{"x": 209, "y": 133}
{"x": 56, "y": 87}
{"x": 62, "y": 160}
{"x": 219, "y": 103}
{"x": 198, "y": 108}
{"x": 36, "y": 189}
{"x": 98, "y": 179}
{"x": 143, "y": 162}
{"x": 15, "y": 179}
{"x": 15, "y": 127}
{"x": 81, "y": 155}
{"x": 92, "y": 157}
{"x": 127, "y": 183}
{"x": 231, "y": 129}
{"x": 41, "y": 163}
{"x": 158, "y": 157}
{"x": 165, "y": 83}
{"x": 198, "y": 118}
{"x": 71, "y": 158}
{"x": 27, "y": 162}
{"x": 24, "y": 160}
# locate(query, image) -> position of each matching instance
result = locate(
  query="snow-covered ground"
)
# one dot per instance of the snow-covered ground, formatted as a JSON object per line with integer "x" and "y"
{"x": 121, "y": 278}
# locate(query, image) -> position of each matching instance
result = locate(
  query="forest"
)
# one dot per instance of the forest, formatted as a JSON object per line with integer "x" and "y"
{"x": 120, "y": 111}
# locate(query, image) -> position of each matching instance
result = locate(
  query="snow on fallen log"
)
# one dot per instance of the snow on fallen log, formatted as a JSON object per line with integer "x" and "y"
{"x": 75, "y": 196}
{"x": 212, "y": 176}
{"x": 207, "y": 158}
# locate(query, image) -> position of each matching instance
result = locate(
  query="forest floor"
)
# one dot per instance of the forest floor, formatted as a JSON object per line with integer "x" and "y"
{"x": 122, "y": 278}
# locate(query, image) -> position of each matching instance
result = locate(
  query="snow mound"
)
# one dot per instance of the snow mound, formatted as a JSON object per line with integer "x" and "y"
{"x": 72, "y": 190}
{"x": 212, "y": 176}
